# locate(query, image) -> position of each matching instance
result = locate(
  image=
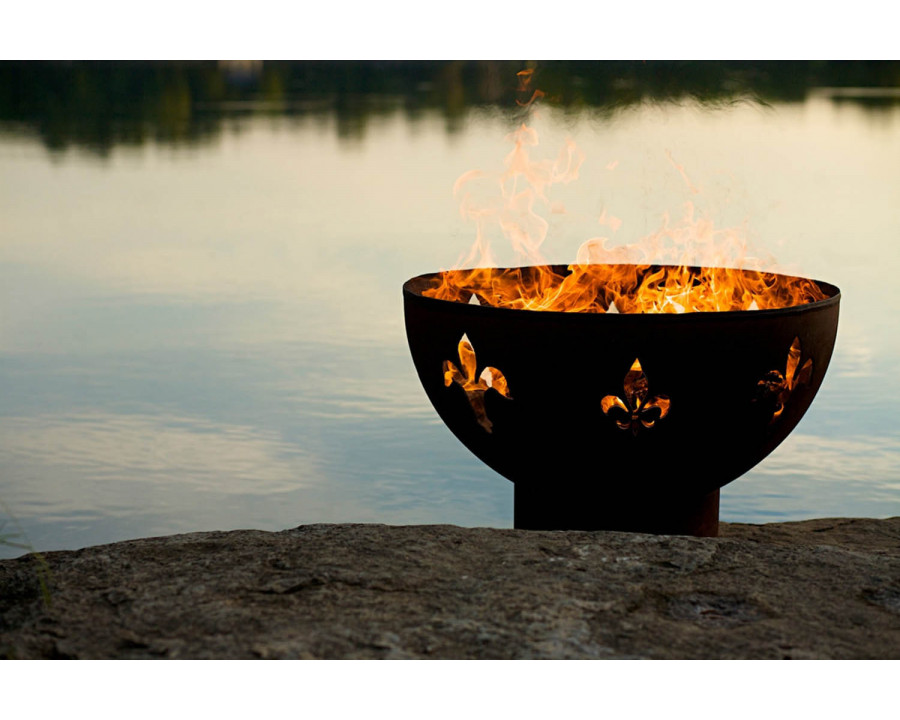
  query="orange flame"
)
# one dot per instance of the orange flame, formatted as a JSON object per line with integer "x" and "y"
{"x": 475, "y": 386}
{"x": 625, "y": 288}
{"x": 687, "y": 266}
{"x": 637, "y": 410}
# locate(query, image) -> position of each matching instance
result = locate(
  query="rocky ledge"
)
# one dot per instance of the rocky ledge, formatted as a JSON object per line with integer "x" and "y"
{"x": 815, "y": 589}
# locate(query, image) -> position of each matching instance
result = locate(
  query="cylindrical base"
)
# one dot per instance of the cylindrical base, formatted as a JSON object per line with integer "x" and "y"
{"x": 538, "y": 509}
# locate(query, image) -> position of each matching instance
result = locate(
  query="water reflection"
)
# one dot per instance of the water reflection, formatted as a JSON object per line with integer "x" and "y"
{"x": 214, "y": 339}
{"x": 811, "y": 476}
{"x": 101, "y": 105}
{"x": 100, "y": 456}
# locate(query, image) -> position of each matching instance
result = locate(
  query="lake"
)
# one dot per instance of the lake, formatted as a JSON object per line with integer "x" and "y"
{"x": 200, "y": 312}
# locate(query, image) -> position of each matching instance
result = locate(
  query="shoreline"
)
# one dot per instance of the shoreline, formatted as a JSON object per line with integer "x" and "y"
{"x": 824, "y": 588}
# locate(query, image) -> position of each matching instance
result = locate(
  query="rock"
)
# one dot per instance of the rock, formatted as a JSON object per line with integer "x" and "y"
{"x": 815, "y": 589}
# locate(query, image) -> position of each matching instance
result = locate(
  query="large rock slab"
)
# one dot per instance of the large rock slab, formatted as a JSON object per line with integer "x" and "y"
{"x": 816, "y": 589}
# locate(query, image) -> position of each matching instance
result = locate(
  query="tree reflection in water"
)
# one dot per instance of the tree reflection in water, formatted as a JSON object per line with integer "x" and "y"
{"x": 101, "y": 105}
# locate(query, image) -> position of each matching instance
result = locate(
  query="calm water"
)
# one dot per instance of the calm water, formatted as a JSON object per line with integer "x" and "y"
{"x": 208, "y": 334}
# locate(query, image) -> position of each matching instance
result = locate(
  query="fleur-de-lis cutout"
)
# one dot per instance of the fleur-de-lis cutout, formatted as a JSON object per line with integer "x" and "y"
{"x": 777, "y": 388}
{"x": 636, "y": 410}
{"x": 475, "y": 387}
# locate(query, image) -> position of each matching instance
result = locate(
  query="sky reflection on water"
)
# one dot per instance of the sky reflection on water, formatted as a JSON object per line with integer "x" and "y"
{"x": 212, "y": 338}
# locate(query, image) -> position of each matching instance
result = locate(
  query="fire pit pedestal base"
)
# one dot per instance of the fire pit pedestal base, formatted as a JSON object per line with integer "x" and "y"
{"x": 536, "y": 509}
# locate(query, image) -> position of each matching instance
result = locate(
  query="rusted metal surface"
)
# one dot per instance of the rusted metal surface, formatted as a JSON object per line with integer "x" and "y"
{"x": 630, "y": 421}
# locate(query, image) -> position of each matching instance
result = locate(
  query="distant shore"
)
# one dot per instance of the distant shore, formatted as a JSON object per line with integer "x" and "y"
{"x": 827, "y": 588}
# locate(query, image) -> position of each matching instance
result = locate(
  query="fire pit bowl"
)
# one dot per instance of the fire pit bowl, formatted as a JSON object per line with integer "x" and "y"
{"x": 608, "y": 421}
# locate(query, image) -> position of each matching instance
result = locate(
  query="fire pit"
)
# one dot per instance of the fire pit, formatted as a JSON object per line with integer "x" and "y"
{"x": 617, "y": 417}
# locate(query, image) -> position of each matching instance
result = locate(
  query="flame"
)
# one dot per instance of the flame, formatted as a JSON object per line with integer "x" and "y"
{"x": 685, "y": 266}
{"x": 777, "y": 387}
{"x": 625, "y": 288}
{"x": 636, "y": 410}
{"x": 475, "y": 386}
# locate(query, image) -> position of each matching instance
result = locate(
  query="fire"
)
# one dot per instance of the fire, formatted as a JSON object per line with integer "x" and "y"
{"x": 625, "y": 288}
{"x": 475, "y": 386}
{"x": 686, "y": 266}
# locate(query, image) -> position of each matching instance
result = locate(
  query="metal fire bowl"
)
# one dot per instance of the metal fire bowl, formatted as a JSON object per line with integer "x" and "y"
{"x": 725, "y": 375}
